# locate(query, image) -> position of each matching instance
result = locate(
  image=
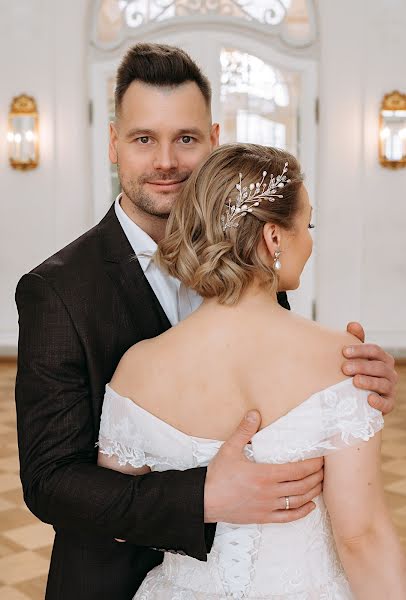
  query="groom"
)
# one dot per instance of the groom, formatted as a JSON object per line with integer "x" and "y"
{"x": 82, "y": 309}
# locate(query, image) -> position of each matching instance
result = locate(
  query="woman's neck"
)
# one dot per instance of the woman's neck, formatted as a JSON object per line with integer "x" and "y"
{"x": 254, "y": 298}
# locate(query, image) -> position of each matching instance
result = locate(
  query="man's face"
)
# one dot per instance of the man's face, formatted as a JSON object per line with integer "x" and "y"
{"x": 161, "y": 135}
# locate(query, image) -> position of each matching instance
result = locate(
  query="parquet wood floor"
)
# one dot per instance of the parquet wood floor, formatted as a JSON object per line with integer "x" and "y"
{"x": 25, "y": 542}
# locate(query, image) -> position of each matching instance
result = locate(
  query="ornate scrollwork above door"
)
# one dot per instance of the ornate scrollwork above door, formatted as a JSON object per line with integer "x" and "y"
{"x": 292, "y": 21}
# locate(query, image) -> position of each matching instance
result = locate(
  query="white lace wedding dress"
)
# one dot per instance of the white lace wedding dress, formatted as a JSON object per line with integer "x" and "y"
{"x": 295, "y": 561}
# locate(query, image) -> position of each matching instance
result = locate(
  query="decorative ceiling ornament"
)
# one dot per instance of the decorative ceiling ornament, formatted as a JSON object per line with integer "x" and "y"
{"x": 294, "y": 21}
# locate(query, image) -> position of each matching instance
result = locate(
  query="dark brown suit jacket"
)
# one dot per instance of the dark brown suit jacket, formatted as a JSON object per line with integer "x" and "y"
{"x": 79, "y": 311}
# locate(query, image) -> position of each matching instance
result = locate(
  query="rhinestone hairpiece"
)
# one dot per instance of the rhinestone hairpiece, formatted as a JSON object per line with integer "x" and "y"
{"x": 251, "y": 196}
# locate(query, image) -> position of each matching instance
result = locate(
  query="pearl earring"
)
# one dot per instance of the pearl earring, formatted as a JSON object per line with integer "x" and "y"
{"x": 276, "y": 262}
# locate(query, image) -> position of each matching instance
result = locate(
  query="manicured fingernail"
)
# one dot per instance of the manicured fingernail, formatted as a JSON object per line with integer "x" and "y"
{"x": 361, "y": 380}
{"x": 349, "y": 368}
{"x": 349, "y": 351}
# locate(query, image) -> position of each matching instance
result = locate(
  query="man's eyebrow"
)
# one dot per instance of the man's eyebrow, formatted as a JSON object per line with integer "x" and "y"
{"x": 190, "y": 130}
{"x": 138, "y": 132}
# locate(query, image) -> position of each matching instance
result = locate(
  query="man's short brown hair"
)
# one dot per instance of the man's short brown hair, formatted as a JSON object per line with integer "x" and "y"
{"x": 159, "y": 65}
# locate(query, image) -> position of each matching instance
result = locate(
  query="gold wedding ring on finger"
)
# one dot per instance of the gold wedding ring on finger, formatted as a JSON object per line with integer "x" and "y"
{"x": 287, "y": 503}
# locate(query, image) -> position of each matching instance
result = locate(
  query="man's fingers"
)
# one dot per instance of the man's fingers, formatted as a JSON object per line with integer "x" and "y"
{"x": 380, "y": 386}
{"x": 295, "y": 471}
{"x": 287, "y": 516}
{"x": 357, "y": 330}
{"x": 244, "y": 432}
{"x": 300, "y": 487}
{"x": 369, "y": 351}
{"x": 376, "y": 368}
{"x": 385, "y": 405}
{"x": 298, "y": 501}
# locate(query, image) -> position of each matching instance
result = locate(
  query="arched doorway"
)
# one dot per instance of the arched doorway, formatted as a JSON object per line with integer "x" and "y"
{"x": 261, "y": 59}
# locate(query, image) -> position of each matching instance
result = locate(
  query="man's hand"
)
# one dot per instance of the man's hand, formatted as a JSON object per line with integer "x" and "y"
{"x": 373, "y": 369}
{"x": 240, "y": 491}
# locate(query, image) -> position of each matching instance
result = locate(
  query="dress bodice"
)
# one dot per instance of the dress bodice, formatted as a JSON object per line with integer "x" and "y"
{"x": 298, "y": 560}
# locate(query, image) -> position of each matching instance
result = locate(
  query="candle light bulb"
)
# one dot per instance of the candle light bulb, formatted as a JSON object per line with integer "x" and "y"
{"x": 402, "y": 134}
{"x": 385, "y": 133}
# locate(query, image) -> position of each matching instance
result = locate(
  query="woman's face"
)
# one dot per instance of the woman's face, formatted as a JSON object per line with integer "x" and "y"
{"x": 296, "y": 245}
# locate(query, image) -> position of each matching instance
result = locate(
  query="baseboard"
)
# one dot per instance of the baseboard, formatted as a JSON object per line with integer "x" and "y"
{"x": 8, "y": 352}
{"x": 8, "y": 343}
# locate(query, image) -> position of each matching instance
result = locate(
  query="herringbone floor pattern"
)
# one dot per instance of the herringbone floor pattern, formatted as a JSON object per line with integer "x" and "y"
{"x": 25, "y": 542}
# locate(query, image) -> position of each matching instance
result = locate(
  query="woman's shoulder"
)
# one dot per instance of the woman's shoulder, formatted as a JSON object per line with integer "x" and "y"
{"x": 146, "y": 364}
{"x": 326, "y": 338}
{"x": 132, "y": 367}
{"x": 322, "y": 349}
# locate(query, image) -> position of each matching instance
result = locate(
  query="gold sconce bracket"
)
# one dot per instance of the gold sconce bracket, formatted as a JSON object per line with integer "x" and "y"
{"x": 23, "y": 133}
{"x": 392, "y": 131}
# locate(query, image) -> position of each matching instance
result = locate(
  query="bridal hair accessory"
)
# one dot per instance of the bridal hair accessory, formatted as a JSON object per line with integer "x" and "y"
{"x": 276, "y": 262}
{"x": 249, "y": 197}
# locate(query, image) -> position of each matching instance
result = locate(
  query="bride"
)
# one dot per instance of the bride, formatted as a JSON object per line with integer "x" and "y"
{"x": 238, "y": 234}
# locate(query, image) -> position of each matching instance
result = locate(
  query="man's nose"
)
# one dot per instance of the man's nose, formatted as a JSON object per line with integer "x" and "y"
{"x": 165, "y": 158}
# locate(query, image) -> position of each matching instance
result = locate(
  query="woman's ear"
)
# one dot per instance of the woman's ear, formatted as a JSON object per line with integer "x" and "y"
{"x": 272, "y": 237}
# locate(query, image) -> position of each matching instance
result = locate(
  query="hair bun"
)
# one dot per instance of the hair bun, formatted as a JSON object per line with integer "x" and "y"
{"x": 198, "y": 251}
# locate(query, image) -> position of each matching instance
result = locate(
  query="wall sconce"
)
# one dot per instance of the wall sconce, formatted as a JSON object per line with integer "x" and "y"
{"x": 23, "y": 138}
{"x": 392, "y": 129}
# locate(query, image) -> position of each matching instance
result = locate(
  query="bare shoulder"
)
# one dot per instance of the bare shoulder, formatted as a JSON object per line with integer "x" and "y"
{"x": 146, "y": 369}
{"x": 318, "y": 352}
{"x": 323, "y": 349}
{"x": 132, "y": 367}
{"x": 336, "y": 338}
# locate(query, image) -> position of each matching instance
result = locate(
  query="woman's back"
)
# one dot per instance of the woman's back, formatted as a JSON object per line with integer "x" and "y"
{"x": 169, "y": 413}
{"x": 203, "y": 375}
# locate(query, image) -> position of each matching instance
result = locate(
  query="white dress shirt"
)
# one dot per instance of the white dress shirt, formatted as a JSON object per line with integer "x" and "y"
{"x": 177, "y": 300}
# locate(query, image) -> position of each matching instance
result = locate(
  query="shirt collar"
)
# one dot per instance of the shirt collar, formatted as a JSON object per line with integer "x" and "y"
{"x": 142, "y": 244}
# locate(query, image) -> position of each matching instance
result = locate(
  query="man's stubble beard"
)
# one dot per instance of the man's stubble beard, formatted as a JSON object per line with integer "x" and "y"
{"x": 147, "y": 203}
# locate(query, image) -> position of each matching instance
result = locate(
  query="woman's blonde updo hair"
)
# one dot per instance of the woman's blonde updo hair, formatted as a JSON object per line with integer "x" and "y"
{"x": 196, "y": 250}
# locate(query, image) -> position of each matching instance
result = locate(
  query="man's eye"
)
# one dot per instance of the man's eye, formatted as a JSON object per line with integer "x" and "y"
{"x": 143, "y": 140}
{"x": 311, "y": 226}
{"x": 186, "y": 139}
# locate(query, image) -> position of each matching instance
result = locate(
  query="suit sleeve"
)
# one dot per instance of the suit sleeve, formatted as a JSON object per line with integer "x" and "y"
{"x": 62, "y": 483}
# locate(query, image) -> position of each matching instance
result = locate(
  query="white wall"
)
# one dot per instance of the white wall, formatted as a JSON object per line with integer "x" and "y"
{"x": 361, "y": 266}
{"x": 361, "y": 263}
{"x": 43, "y": 48}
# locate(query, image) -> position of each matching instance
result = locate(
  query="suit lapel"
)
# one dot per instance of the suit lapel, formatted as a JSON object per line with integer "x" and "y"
{"x": 143, "y": 306}
{"x": 146, "y": 313}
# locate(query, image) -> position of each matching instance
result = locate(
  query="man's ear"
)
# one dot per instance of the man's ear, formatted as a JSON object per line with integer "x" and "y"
{"x": 215, "y": 135}
{"x": 272, "y": 238}
{"x": 113, "y": 143}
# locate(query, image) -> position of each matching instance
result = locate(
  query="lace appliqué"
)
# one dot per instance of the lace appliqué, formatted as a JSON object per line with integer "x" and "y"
{"x": 124, "y": 434}
{"x": 328, "y": 421}
{"x": 345, "y": 417}
{"x": 156, "y": 587}
{"x": 134, "y": 456}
